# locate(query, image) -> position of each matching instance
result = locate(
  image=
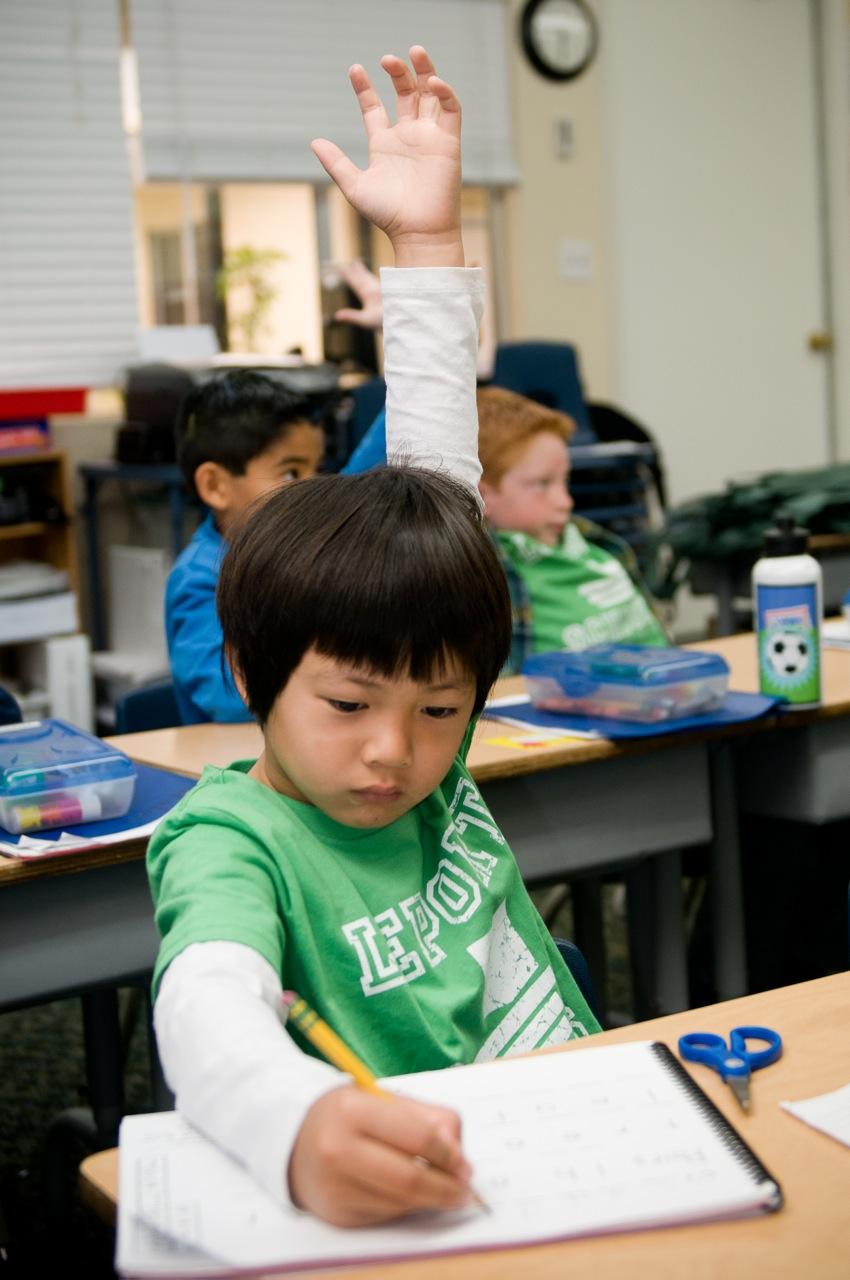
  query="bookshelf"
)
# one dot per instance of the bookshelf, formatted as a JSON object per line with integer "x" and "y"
{"x": 44, "y": 659}
{"x": 51, "y": 542}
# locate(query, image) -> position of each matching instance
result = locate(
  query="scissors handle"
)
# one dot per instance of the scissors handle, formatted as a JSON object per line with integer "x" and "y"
{"x": 713, "y": 1051}
{"x": 739, "y": 1036}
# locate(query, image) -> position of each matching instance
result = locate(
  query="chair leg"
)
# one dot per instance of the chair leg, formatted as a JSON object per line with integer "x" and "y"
{"x": 78, "y": 1131}
{"x": 657, "y": 936}
{"x": 552, "y": 903}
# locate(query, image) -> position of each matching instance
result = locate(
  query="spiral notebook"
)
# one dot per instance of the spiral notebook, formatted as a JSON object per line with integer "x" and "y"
{"x": 612, "y": 1138}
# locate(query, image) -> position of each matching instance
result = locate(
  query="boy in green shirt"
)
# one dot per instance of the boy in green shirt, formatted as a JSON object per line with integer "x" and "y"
{"x": 572, "y": 583}
{"x": 365, "y": 619}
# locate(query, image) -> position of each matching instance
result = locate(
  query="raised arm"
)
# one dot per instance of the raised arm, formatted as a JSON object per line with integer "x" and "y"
{"x": 411, "y": 190}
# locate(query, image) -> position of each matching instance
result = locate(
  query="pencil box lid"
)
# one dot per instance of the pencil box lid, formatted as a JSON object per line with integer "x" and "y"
{"x": 631, "y": 666}
{"x": 52, "y": 755}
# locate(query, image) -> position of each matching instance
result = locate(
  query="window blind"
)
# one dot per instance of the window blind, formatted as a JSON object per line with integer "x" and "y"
{"x": 234, "y": 92}
{"x": 68, "y": 313}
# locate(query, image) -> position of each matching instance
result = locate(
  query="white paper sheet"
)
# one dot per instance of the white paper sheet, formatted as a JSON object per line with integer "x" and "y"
{"x": 502, "y": 707}
{"x": 828, "y": 1112}
{"x": 835, "y": 633}
{"x": 560, "y": 1144}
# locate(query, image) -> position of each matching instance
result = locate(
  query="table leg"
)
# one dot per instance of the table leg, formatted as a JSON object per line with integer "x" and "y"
{"x": 724, "y": 881}
{"x": 589, "y": 934}
{"x": 104, "y": 1064}
{"x": 657, "y": 936}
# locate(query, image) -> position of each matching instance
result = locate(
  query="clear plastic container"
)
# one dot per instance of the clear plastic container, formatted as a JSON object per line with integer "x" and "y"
{"x": 55, "y": 775}
{"x": 627, "y": 682}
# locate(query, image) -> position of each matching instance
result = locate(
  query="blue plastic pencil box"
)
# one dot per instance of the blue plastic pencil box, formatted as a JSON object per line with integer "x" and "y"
{"x": 627, "y": 682}
{"x": 53, "y": 774}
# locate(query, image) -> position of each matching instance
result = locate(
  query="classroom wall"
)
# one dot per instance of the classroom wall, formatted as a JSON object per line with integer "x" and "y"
{"x": 694, "y": 196}
{"x": 275, "y": 216}
{"x": 559, "y": 204}
{"x": 159, "y": 207}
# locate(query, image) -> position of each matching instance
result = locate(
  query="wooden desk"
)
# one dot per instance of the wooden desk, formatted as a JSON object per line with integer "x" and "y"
{"x": 799, "y": 772}
{"x": 633, "y": 804}
{"x": 808, "y": 1237}
{"x": 636, "y": 803}
{"x": 73, "y": 923}
{"x": 85, "y": 919}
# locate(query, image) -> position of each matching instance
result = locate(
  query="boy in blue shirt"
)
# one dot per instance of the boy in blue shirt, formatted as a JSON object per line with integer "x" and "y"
{"x": 355, "y": 861}
{"x": 239, "y": 437}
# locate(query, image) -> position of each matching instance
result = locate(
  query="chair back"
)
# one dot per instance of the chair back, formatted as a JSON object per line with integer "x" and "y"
{"x": 367, "y": 402}
{"x": 154, "y": 706}
{"x": 10, "y": 712}
{"x": 574, "y": 959}
{"x": 547, "y": 372}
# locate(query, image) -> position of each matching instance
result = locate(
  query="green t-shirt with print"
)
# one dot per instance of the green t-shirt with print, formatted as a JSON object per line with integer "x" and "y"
{"x": 417, "y": 942}
{"x": 580, "y": 595}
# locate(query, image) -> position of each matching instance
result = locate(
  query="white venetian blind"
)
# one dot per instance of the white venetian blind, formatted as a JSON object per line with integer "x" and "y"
{"x": 234, "y": 91}
{"x": 67, "y": 287}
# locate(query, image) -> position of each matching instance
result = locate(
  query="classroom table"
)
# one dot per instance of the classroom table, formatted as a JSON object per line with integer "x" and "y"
{"x": 73, "y": 923}
{"x": 809, "y": 1236}
{"x": 632, "y": 806}
{"x": 84, "y": 920}
{"x": 802, "y": 771}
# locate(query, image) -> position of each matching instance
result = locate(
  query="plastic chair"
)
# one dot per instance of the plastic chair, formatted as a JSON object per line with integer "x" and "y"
{"x": 154, "y": 706}
{"x": 367, "y": 401}
{"x": 10, "y": 712}
{"x": 577, "y": 965}
{"x": 549, "y": 373}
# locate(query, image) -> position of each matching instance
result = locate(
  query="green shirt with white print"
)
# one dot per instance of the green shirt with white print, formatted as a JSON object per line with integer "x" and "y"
{"x": 579, "y": 593}
{"x": 417, "y": 941}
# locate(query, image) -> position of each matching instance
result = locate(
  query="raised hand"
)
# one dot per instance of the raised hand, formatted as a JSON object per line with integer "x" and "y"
{"x": 367, "y": 287}
{"x": 411, "y": 187}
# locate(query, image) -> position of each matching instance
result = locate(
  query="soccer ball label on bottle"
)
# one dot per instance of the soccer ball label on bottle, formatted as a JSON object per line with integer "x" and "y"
{"x": 788, "y": 642}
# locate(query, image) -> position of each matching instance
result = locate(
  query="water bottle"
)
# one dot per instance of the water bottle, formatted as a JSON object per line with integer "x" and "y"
{"x": 788, "y": 607}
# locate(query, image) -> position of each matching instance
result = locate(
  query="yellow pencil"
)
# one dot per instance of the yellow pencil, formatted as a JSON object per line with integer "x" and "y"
{"x": 326, "y": 1040}
{"x": 338, "y": 1054}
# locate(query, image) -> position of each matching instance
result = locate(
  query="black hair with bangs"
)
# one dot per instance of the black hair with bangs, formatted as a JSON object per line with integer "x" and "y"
{"x": 390, "y": 570}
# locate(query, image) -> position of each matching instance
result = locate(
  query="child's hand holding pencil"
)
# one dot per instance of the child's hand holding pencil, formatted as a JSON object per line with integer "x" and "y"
{"x": 363, "y": 1155}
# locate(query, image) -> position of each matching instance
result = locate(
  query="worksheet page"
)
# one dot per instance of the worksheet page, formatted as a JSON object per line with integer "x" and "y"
{"x": 561, "y": 1144}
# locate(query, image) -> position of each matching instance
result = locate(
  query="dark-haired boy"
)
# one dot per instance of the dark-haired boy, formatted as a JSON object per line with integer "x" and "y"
{"x": 365, "y": 618}
{"x": 239, "y": 436}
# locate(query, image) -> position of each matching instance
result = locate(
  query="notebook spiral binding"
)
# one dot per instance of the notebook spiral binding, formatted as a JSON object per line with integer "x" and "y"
{"x": 726, "y": 1132}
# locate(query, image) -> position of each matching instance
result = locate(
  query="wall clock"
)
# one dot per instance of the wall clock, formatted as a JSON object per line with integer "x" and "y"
{"x": 559, "y": 37}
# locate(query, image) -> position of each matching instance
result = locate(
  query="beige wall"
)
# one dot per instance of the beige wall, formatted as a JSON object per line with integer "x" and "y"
{"x": 159, "y": 207}
{"x": 284, "y": 218}
{"x": 557, "y": 200}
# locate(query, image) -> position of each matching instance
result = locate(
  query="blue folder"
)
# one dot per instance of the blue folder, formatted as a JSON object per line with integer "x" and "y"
{"x": 156, "y": 791}
{"x": 736, "y": 708}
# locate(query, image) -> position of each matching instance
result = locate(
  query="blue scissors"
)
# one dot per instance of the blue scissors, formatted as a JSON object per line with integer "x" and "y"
{"x": 734, "y": 1062}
